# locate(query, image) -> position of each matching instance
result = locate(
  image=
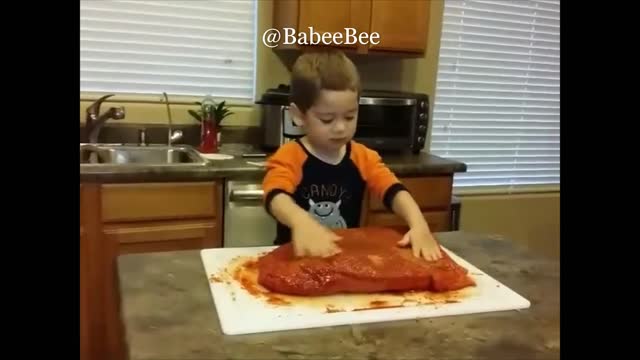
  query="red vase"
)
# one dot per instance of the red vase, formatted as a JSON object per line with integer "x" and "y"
{"x": 209, "y": 138}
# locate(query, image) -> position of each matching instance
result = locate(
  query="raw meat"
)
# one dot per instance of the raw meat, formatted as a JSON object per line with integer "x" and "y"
{"x": 370, "y": 261}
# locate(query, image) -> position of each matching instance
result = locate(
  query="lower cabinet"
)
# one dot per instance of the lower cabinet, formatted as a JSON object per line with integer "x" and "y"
{"x": 162, "y": 216}
{"x": 433, "y": 195}
{"x": 131, "y": 218}
{"x": 163, "y": 236}
{"x": 438, "y": 220}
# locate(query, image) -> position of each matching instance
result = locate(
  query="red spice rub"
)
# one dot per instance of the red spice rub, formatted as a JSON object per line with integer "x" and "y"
{"x": 370, "y": 261}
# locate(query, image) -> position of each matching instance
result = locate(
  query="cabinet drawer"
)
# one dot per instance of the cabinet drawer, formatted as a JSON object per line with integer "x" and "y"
{"x": 143, "y": 202}
{"x": 438, "y": 220}
{"x": 161, "y": 236}
{"x": 428, "y": 192}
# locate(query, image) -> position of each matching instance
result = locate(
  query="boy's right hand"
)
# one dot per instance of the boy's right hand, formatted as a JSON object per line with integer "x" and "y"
{"x": 310, "y": 238}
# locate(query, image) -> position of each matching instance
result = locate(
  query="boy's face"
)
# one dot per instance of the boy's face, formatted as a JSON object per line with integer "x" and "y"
{"x": 331, "y": 122}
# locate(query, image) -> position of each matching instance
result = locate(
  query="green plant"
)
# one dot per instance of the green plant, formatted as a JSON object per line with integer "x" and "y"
{"x": 209, "y": 110}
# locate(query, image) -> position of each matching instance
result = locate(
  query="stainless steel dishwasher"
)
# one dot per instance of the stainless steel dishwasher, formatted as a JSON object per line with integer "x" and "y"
{"x": 246, "y": 222}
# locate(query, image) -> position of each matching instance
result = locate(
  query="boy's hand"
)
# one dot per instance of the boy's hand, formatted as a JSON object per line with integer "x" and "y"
{"x": 310, "y": 238}
{"x": 422, "y": 242}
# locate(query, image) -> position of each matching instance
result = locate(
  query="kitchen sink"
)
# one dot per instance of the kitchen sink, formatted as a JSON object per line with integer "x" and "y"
{"x": 139, "y": 155}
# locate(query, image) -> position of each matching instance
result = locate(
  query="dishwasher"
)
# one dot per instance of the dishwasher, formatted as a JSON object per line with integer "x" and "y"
{"x": 246, "y": 222}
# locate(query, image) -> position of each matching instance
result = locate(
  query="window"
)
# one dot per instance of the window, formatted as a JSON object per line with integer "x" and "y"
{"x": 497, "y": 104}
{"x": 191, "y": 48}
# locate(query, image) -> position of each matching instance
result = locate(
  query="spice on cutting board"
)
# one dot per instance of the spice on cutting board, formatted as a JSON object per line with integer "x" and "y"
{"x": 243, "y": 271}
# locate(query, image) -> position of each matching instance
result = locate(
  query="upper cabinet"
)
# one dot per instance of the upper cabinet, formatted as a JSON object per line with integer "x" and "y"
{"x": 313, "y": 14}
{"x": 401, "y": 25}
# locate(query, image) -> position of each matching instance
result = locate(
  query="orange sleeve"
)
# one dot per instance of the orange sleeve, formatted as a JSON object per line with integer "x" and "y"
{"x": 381, "y": 181}
{"x": 283, "y": 171}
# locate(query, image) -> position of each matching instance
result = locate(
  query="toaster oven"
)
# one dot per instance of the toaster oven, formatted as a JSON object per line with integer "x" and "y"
{"x": 388, "y": 121}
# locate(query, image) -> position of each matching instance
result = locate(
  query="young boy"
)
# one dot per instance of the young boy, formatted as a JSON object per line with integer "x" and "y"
{"x": 317, "y": 183}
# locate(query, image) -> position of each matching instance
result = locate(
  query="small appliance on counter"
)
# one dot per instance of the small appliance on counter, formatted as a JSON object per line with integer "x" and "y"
{"x": 388, "y": 121}
{"x": 277, "y": 124}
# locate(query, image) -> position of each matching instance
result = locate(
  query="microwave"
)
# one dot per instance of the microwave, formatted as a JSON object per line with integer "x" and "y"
{"x": 388, "y": 121}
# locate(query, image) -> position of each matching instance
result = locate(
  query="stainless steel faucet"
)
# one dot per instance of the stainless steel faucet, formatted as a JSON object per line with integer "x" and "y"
{"x": 172, "y": 136}
{"x": 142, "y": 137}
{"x": 95, "y": 121}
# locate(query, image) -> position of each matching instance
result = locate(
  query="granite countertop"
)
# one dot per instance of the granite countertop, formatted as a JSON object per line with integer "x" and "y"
{"x": 237, "y": 168}
{"x": 169, "y": 314}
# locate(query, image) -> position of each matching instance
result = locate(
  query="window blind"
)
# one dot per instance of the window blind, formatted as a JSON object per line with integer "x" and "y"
{"x": 191, "y": 48}
{"x": 497, "y": 104}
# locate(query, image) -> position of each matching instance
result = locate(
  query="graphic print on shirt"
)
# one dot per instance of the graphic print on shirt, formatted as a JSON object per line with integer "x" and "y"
{"x": 331, "y": 193}
{"x": 327, "y": 213}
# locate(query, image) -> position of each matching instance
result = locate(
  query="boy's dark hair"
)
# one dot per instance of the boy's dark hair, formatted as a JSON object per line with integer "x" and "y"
{"x": 326, "y": 69}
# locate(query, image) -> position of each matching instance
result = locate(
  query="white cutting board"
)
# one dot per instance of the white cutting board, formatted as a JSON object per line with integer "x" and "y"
{"x": 241, "y": 312}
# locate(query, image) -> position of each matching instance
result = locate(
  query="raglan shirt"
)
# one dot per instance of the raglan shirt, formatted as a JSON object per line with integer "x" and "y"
{"x": 331, "y": 193}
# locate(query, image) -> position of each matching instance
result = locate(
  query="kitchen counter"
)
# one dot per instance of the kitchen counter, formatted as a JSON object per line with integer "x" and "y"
{"x": 422, "y": 164}
{"x": 168, "y": 313}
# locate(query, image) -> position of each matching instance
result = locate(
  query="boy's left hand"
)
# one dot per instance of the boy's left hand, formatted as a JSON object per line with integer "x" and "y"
{"x": 422, "y": 242}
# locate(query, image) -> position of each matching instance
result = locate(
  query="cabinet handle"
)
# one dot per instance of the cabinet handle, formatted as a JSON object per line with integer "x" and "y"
{"x": 246, "y": 195}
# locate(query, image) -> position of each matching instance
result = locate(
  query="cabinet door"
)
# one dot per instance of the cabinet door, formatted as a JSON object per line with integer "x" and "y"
{"x": 327, "y": 16}
{"x": 164, "y": 236}
{"x": 402, "y": 24}
{"x": 159, "y": 201}
{"x": 84, "y": 299}
{"x": 162, "y": 216}
{"x": 438, "y": 220}
{"x": 433, "y": 192}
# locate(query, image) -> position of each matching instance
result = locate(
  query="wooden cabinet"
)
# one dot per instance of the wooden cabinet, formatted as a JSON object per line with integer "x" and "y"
{"x": 162, "y": 216}
{"x": 126, "y": 218}
{"x": 438, "y": 220}
{"x": 433, "y": 195}
{"x": 85, "y": 332}
{"x": 401, "y": 24}
{"x": 312, "y": 14}
{"x": 163, "y": 236}
{"x": 158, "y": 201}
